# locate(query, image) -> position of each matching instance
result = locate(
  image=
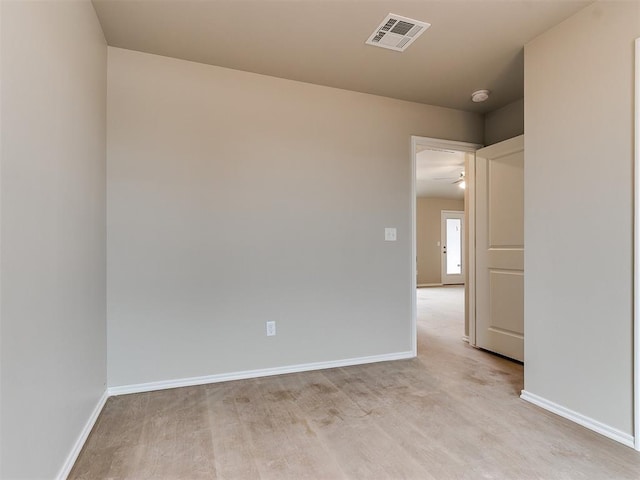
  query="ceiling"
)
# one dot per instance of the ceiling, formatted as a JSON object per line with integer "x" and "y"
{"x": 471, "y": 44}
{"x": 436, "y": 172}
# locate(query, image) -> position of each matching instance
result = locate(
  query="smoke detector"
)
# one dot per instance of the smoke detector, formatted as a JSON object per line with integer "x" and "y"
{"x": 480, "y": 96}
{"x": 397, "y": 33}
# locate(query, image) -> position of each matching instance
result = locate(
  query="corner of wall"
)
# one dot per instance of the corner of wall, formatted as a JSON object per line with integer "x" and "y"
{"x": 82, "y": 437}
{"x": 52, "y": 54}
{"x": 1, "y": 138}
{"x": 504, "y": 123}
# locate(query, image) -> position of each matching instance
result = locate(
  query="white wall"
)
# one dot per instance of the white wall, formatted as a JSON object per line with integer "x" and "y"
{"x": 579, "y": 211}
{"x": 504, "y": 123}
{"x": 53, "y": 309}
{"x": 236, "y": 198}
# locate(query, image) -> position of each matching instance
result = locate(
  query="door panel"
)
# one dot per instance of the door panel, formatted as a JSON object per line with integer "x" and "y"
{"x": 500, "y": 248}
{"x": 506, "y": 200}
{"x": 506, "y": 317}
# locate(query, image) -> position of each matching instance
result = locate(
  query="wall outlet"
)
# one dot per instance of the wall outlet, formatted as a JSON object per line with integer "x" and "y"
{"x": 271, "y": 328}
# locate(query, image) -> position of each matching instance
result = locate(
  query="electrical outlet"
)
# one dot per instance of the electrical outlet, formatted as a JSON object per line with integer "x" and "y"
{"x": 271, "y": 328}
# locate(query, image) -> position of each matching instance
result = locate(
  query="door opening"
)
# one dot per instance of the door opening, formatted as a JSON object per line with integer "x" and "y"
{"x": 454, "y": 267}
{"x": 452, "y": 244}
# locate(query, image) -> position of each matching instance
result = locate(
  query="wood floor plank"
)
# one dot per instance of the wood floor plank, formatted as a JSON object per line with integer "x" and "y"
{"x": 232, "y": 452}
{"x": 116, "y": 435}
{"x": 362, "y": 447}
{"x": 401, "y": 424}
{"x": 281, "y": 442}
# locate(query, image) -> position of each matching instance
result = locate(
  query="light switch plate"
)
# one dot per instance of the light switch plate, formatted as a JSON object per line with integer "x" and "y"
{"x": 271, "y": 328}
{"x": 390, "y": 234}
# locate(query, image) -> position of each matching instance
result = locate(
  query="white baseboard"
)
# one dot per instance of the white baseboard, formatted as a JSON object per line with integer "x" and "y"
{"x": 77, "y": 447}
{"x": 265, "y": 372}
{"x": 420, "y": 285}
{"x": 590, "y": 423}
{"x": 465, "y": 338}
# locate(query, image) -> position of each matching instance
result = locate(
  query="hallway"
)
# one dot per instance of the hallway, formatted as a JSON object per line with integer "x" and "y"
{"x": 441, "y": 313}
{"x": 441, "y": 331}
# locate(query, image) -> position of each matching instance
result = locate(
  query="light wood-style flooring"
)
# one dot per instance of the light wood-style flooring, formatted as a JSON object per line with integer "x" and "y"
{"x": 451, "y": 413}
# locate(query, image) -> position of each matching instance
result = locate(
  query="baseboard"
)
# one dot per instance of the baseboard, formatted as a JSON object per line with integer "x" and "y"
{"x": 590, "y": 423}
{"x": 465, "y": 338}
{"x": 265, "y": 372}
{"x": 421, "y": 285}
{"x": 77, "y": 447}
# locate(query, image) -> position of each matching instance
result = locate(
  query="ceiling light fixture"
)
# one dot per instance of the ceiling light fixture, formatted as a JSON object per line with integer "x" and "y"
{"x": 460, "y": 182}
{"x": 480, "y": 96}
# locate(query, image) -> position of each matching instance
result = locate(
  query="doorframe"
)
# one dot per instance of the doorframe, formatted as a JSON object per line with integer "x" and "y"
{"x": 465, "y": 147}
{"x": 463, "y": 244}
{"x": 636, "y": 254}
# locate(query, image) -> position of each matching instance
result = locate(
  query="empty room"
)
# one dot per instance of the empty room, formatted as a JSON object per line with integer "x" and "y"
{"x": 275, "y": 239}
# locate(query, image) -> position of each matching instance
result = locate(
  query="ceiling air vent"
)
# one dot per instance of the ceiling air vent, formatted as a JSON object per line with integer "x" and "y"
{"x": 397, "y": 33}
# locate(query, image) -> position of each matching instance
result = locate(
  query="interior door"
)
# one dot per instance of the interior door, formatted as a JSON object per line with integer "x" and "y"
{"x": 452, "y": 238}
{"x": 500, "y": 248}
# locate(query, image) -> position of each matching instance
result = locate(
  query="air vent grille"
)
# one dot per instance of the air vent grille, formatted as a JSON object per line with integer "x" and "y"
{"x": 403, "y": 27}
{"x": 388, "y": 25}
{"x": 396, "y": 32}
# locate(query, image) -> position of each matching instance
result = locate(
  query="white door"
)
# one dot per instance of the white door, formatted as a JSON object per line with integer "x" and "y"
{"x": 500, "y": 248}
{"x": 452, "y": 238}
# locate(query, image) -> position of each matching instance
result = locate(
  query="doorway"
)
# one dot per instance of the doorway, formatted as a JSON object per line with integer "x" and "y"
{"x": 452, "y": 244}
{"x": 466, "y": 151}
{"x": 636, "y": 255}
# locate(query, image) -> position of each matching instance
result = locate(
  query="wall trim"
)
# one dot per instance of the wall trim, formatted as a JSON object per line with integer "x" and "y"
{"x": 590, "y": 423}
{"x": 263, "y": 372}
{"x": 413, "y": 260}
{"x": 82, "y": 438}
{"x": 636, "y": 253}
{"x": 422, "y": 285}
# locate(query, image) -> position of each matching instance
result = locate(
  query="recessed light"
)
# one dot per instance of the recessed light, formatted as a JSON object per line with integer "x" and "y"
{"x": 480, "y": 95}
